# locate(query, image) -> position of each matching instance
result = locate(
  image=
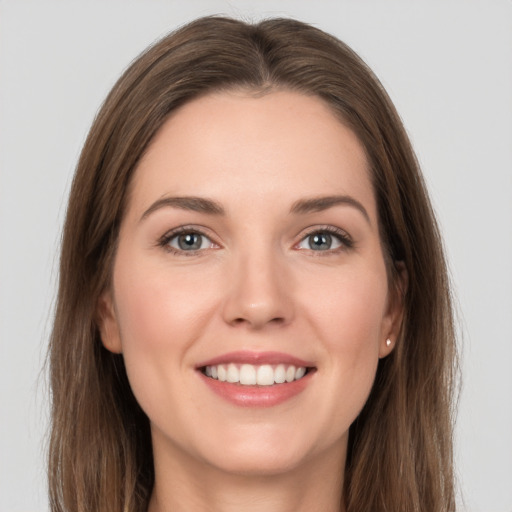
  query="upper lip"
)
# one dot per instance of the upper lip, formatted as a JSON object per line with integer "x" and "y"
{"x": 256, "y": 358}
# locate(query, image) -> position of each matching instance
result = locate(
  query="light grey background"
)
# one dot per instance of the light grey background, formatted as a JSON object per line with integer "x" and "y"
{"x": 448, "y": 67}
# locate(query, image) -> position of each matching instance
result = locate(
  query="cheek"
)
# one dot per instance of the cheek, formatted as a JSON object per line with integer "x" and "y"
{"x": 158, "y": 308}
{"x": 160, "y": 315}
{"x": 349, "y": 307}
{"x": 350, "y": 320}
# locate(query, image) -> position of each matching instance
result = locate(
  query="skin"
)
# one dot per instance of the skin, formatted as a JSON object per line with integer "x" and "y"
{"x": 256, "y": 284}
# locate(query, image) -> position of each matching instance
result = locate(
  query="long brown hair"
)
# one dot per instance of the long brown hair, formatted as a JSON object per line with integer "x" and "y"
{"x": 400, "y": 446}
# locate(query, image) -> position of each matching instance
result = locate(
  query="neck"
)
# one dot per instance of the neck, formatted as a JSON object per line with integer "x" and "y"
{"x": 184, "y": 483}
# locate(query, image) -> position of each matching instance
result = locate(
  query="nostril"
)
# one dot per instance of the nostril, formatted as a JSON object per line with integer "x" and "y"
{"x": 279, "y": 320}
{"x": 255, "y": 308}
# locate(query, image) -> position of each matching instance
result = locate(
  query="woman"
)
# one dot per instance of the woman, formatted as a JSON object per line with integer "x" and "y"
{"x": 253, "y": 307}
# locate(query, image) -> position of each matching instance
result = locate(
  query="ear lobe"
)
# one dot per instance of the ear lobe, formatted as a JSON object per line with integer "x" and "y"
{"x": 106, "y": 319}
{"x": 396, "y": 309}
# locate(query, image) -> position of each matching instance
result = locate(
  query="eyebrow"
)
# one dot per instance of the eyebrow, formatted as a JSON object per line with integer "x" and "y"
{"x": 208, "y": 206}
{"x": 195, "y": 204}
{"x": 318, "y": 204}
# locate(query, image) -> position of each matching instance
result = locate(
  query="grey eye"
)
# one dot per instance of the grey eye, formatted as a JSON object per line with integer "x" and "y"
{"x": 320, "y": 241}
{"x": 190, "y": 242}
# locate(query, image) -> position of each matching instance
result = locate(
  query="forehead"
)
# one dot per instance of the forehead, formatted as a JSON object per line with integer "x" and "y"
{"x": 238, "y": 146}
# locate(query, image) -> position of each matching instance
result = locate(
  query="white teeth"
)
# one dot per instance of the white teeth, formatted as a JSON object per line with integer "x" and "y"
{"x": 299, "y": 373}
{"x": 247, "y": 375}
{"x": 251, "y": 375}
{"x": 265, "y": 375}
{"x": 233, "y": 375}
{"x": 280, "y": 374}
{"x": 221, "y": 373}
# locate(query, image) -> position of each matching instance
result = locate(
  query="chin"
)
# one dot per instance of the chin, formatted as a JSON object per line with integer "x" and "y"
{"x": 264, "y": 462}
{"x": 261, "y": 453}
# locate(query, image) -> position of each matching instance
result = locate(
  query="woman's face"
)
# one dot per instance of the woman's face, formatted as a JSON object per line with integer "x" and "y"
{"x": 250, "y": 252}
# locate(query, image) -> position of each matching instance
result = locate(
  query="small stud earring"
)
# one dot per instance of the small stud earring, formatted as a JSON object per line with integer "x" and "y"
{"x": 388, "y": 342}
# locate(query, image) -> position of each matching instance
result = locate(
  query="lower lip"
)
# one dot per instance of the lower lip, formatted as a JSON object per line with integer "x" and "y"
{"x": 257, "y": 396}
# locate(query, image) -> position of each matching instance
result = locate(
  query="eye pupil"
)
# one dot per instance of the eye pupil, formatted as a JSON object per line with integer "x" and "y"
{"x": 189, "y": 241}
{"x": 320, "y": 241}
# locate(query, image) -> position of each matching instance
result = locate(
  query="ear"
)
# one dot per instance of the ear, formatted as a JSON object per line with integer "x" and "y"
{"x": 106, "y": 319}
{"x": 395, "y": 314}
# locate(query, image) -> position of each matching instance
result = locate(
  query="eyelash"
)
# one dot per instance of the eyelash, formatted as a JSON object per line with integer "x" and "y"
{"x": 165, "y": 240}
{"x": 343, "y": 238}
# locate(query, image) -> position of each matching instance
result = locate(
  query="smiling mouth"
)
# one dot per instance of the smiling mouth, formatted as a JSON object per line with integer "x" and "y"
{"x": 256, "y": 375}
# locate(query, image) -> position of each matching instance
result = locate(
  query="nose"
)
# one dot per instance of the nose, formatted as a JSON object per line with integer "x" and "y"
{"x": 259, "y": 292}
